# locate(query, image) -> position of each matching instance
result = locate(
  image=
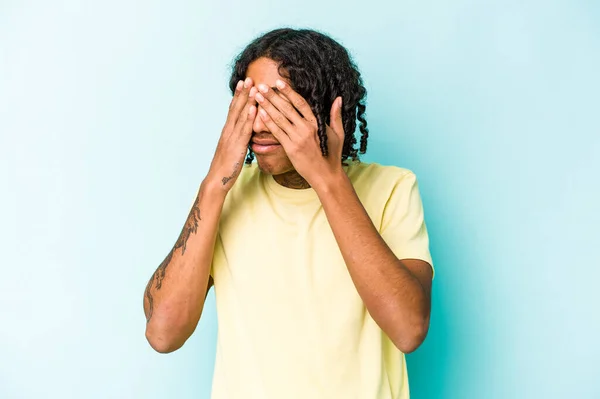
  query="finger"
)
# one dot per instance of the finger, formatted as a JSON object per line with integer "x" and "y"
{"x": 297, "y": 100}
{"x": 239, "y": 101}
{"x": 274, "y": 114}
{"x": 335, "y": 118}
{"x": 275, "y": 130}
{"x": 281, "y": 103}
{"x": 252, "y": 93}
{"x": 236, "y": 94}
{"x": 248, "y": 114}
{"x": 246, "y": 130}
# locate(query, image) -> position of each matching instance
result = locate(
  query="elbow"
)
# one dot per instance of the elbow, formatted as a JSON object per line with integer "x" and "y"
{"x": 162, "y": 344}
{"x": 411, "y": 338}
{"x": 408, "y": 346}
{"x": 164, "y": 340}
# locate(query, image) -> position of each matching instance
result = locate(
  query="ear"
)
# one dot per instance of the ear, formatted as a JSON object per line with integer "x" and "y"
{"x": 335, "y": 118}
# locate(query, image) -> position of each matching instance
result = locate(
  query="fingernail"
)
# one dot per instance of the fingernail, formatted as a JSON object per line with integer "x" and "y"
{"x": 280, "y": 84}
{"x": 247, "y": 82}
{"x": 263, "y": 113}
{"x": 239, "y": 85}
{"x": 252, "y": 91}
{"x": 259, "y": 97}
{"x": 340, "y": 102}
{"x": 263, "y": 88}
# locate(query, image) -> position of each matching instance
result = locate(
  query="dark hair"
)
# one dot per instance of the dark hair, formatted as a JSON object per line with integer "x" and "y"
{"x": 320, "y": 70}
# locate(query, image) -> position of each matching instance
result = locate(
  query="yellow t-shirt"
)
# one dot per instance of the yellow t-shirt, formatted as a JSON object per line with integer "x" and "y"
{"x": 290, "y": 321}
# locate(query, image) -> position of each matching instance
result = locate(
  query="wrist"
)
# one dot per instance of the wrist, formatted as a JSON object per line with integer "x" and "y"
{"x": 326, "y": 183}
{"x": 213, "y": 189}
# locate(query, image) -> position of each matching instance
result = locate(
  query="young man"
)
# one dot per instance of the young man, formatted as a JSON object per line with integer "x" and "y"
{"x": 320, "y": 263}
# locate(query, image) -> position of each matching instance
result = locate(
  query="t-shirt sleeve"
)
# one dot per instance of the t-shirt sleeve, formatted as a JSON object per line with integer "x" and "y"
{"x": 403, "y": 223}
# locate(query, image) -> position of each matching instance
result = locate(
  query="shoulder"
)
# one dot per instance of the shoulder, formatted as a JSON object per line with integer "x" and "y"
{"x": 374, "y": 175}
{"x": 377, "y": 185}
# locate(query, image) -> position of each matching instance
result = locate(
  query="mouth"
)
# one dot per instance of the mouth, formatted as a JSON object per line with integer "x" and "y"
{"x": 266, "y": 147}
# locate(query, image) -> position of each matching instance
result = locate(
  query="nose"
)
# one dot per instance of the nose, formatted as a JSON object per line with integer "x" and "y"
{"x": 259, "y": 125}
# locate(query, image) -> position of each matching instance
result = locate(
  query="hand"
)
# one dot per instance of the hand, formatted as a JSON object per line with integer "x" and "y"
{"x": 297, "y": 132}
{"x": 231, "y": 150}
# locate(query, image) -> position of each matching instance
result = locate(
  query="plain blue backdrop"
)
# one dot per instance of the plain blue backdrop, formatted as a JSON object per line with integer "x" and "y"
{"x": 109, "y": 115}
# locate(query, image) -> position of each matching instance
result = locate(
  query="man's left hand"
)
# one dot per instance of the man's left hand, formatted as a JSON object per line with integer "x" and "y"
{"x": 291, "y": 120}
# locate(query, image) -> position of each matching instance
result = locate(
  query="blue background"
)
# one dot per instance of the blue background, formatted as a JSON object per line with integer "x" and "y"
{"x": 109, "y": 115}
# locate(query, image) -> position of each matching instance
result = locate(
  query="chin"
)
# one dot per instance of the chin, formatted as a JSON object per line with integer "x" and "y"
{"x": 273, "y": 166}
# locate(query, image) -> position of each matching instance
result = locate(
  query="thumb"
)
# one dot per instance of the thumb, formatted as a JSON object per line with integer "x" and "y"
{"x": 335, "y": 117}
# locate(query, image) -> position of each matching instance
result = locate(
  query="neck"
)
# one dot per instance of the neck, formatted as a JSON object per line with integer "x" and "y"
{"x": 292, "y": 179}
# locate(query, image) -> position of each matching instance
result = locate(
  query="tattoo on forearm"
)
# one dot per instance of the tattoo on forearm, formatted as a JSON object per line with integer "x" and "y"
{"x": 233, "y": 175}
{"x": 191, "y": 226}
{"x": 149, "y": 297}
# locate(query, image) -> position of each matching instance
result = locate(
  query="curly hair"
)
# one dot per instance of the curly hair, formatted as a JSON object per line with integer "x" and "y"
{"x": 320, "y": 70}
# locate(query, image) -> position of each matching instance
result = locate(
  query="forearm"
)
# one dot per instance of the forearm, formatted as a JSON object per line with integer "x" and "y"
{"x": 174, "y": 297}
{"x": 394, "y": 297}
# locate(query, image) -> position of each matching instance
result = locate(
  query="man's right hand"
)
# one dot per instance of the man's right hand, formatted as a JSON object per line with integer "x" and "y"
{"x": 233, "y": 144}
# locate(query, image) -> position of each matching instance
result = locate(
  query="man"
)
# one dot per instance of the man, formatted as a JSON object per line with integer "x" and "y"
{"x": 321, "y": 267}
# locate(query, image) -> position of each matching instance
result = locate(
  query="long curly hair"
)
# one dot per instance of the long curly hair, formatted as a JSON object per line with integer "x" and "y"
{"x": 319, "y": 69}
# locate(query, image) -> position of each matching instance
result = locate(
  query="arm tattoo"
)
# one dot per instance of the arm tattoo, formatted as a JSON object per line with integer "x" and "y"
{"x": 233, "y": 175}
{"x": 191, "y": 226}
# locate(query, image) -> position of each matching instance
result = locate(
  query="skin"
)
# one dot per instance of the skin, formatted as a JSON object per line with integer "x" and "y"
{"x": 395, "y": 292}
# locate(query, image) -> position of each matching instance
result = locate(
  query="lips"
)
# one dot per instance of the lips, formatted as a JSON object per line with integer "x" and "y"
{"x": 264, "y": 146}
{"x": 265, "y": 142}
